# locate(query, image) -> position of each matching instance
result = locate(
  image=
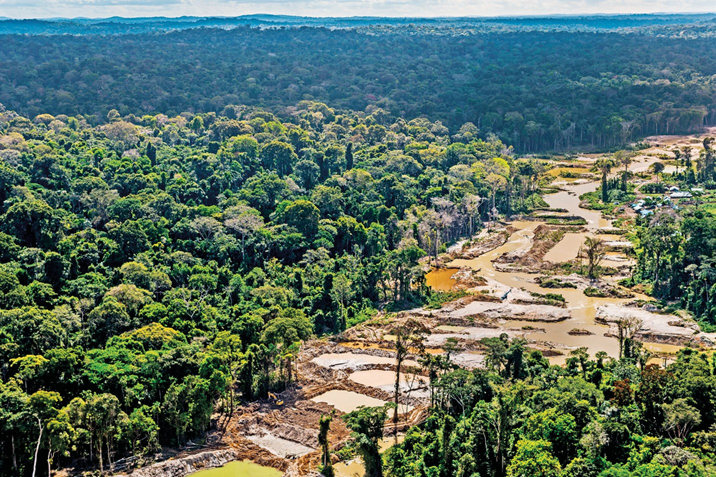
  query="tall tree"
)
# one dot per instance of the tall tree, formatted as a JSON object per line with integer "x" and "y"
{"x": 409, "y": 338}
{"x": 594, "y": 251}
{"x": 604, "y": 165}
{"x": 367, "y": 426}
{"x": 349, "y": 156}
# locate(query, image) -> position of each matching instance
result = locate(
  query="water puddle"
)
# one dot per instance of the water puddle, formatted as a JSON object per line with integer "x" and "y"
{"x": 239, "y": 469}
{"x": 441, "y": 279}
{"x": 450, "y": 328}
{"x": 430, "y": 350}
{"x": 280, "y": 446}
{"x": 662, "y": 349}
{"x": 355, "y": 361}
{"x": 355, "y": 468}
{"x": 468, "y": 360}
{"x": 410, "y": 384}
{"x": 557, "y": 171}
{"x": 349, "y": 401}
{"x": 361, "y": 345}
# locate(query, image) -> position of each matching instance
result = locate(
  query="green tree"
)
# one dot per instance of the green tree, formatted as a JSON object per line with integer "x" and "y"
{"x": 604, "y": 165}
{"x": 34, "y": 223}
{"x": 367, "y": 426}
{"x": 43, "y": 408}
{"x": 623, "y": 158}
{"x": 556, "y": 428}
{"x": 534, "y": 459}
{"x": 409, "y": 338}
{"x": 657, "y": 168}
{"x": 349, "y": 156}
{"x": 278, "y": 156}
{"x": 107, "y": 319}
{"x": 594, "y": 251}
{"x": 304, "y": 216}
{"x": 308, "y": 173}
{"x": 324, "y": 426}
{"x": 679, "y": 419}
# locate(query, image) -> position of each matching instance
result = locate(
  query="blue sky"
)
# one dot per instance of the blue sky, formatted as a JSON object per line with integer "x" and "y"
{"x": 427, "y": 8}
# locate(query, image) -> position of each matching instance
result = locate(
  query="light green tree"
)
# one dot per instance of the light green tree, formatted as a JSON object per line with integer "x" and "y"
{"x": 534, "y": 459}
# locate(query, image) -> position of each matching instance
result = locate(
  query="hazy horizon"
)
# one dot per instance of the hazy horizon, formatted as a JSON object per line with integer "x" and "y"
{"x": 97, "y": 9}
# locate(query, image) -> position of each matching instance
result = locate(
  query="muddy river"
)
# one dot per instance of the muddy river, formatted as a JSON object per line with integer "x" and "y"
{"x": 581, "y": 307}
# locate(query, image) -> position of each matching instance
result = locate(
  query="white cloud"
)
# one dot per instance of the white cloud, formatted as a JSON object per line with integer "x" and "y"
{"x": 412, "y": 8}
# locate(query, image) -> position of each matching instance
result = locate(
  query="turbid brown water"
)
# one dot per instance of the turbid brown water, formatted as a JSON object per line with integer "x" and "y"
{"x": 347, "y": 401}
{"x": 355, "y": 361}
{"x": 568, "y": 199}
{"x": 441, "y": 279}
{"x": 355, "y": 467}
{"x": 581, "y": 307}
{"x": 385, "y": 380}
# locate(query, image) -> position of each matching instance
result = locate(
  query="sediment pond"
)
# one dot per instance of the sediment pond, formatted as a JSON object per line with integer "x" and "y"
{"x": 355, "y": 361}
{"x": 348, "y": 401}
{"x": 385, "y": 380}
{"x": 239, "y": 469}
{"x": 441, "y": 279}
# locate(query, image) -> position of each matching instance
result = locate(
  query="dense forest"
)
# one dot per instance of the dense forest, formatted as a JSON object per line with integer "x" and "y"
{"x": 677, "y": 250}
{"x": 601, "y": 417}
{"x": 153, "y": 267}
{"x": 183, "y": 202}
{"x": 538, "y": 84}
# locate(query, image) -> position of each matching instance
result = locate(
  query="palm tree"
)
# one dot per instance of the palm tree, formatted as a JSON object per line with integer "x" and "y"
{"x": 594, "y": 251}
{"x": 624, "y": 158}
{"x": 604, "y": 165}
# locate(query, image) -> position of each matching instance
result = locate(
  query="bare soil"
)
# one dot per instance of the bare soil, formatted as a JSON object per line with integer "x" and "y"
{"x": 545, "y": 237}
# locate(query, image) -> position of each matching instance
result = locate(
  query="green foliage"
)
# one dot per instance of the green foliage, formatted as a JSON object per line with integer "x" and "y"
{"x": 595, "y": 292}
{"x": 367, "y": 426}
{"x": 437, "y": 299}
{"x": 148, "y": 280}
{"x": 608, "y": 62}
{"x": 534, "y": 459}
{"x": 581, "y": 419}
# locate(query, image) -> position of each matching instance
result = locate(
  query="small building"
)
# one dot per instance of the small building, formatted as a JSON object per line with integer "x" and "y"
{"x": 674, "y": 188}
{"x": 681, "y": 195}
{"x": 645, "y": 212}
